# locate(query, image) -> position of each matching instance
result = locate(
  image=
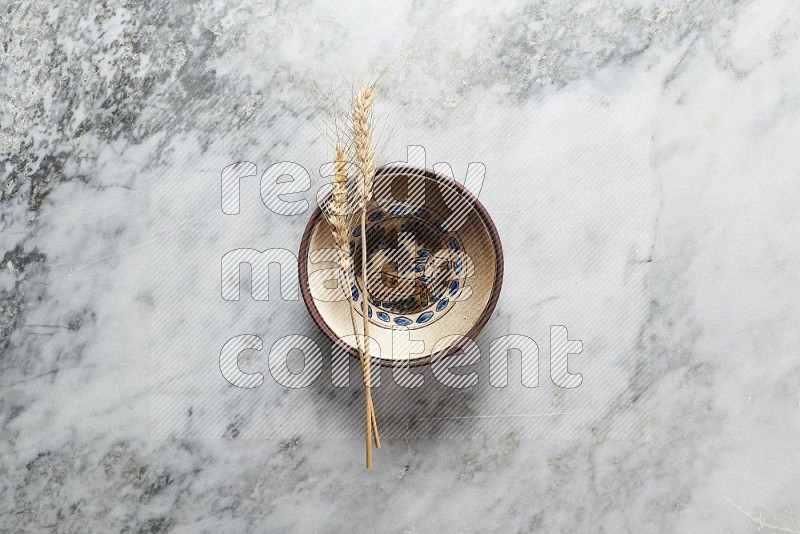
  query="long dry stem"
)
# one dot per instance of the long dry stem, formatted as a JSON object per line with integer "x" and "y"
{"x": 361, "y": 353}
{"x": 341, "y": 220}
{"x": 348, "y": 208}
{"x": 365, "y": 362}
{"x": 364, "y": 159}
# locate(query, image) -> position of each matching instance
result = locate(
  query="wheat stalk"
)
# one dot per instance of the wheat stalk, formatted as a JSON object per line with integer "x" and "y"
{"x": 341, "y": 217}
{"x": 364, "y": 159}
{"x": 352, "y": 192}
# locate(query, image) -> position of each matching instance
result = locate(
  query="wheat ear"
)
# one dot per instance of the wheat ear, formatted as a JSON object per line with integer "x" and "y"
{"x": 363, "y": 152}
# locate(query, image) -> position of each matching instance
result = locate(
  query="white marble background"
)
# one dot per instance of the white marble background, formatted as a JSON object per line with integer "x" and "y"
{"x": 643, "y": 169}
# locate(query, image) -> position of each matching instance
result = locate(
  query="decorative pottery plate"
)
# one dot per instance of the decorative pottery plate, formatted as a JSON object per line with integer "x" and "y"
{"x": 434, "y": 268}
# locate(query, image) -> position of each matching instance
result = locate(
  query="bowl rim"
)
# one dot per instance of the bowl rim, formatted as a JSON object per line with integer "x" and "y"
{"x": 395, "y": 168}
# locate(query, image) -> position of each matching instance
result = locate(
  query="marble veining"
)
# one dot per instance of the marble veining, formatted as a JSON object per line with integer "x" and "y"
{"x": 642, "y": 168}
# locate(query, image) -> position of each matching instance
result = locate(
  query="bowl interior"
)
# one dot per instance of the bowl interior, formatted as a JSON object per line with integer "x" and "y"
{"x": 434, "y": 268}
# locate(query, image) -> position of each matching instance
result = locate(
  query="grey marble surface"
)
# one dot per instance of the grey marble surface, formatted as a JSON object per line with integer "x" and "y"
{"x": 642, "y": 167}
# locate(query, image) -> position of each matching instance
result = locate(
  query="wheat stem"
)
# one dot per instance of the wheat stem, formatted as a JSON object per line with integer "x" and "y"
{"x": 360, "y": 349}
{"x": 347, "y": 209}
{"x": 342, "y": 223}
{"x": 364, "y": 159}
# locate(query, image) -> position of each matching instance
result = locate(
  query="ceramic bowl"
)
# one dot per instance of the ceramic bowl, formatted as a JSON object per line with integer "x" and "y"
{"x": 435, "y": 268}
